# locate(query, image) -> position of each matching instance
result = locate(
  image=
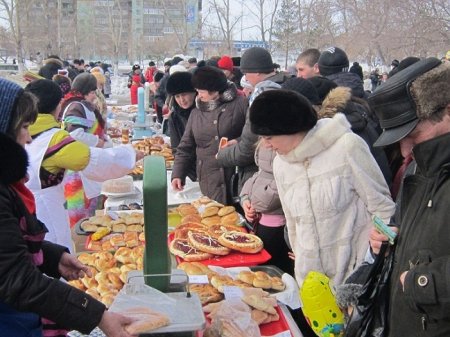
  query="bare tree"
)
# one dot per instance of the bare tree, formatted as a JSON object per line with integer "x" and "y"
{"x": 264, "y": 12}
{"x": 227, "y": 23}
{"x": 181, "y": 21}
{"x": 286, "y": 26}
{"x": 9, "y": 7}
{"x": 115, "y": 27}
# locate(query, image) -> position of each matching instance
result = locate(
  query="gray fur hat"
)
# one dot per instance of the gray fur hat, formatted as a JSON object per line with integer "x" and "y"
{"x": 413, "y": 94}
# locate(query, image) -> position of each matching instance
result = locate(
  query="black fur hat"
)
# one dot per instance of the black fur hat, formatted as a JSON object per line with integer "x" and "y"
{"x": 281, "y": 112}
{"x": 209, "y": 78}
{"x": 179, "y": 82}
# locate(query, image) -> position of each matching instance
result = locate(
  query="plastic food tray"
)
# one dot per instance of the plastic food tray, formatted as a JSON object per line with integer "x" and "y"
{"x": 234, "y": 259}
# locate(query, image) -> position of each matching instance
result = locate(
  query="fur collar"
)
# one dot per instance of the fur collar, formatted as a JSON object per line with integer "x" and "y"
{"x": 227, "y": 96}
{"x": 326, "y": 132}
{"x": 14, "y": 160}
{"x": 336, "y": 101}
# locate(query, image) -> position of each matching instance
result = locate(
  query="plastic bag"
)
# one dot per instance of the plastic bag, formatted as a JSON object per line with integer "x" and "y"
{"x": 233, "y": 319}
{"x": 369, "y": 316}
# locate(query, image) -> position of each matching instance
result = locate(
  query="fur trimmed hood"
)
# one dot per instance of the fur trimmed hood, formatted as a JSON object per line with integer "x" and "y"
{"x": 340, "y": 100}
{"x": 14, "y": 160}
{"x": 430, "y": 91}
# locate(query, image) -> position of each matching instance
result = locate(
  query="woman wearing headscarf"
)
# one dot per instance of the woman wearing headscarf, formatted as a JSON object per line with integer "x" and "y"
{"x": 30, "y": 267}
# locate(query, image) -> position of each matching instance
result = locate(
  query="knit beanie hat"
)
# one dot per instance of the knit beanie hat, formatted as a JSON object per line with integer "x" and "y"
{"x": 135, "y": 67}
{"x": 84, "y": 83}
{"x": 179, "y": 82}
{"x": 48, "y": 93}
{"x": 323, "y": 86}
{"x": 303, "y": 87}
{"x": 9, "y": 92}
{"x": 281, "y": 112}
{"x": 209, "y": 78}
{"x": 225, "y": 63}
{"x": 256, "y": 60}
{"x": 333, "y": 60}
{"x": 413, "y": 94}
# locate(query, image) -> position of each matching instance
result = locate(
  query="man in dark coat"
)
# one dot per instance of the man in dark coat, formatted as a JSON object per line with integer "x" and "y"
{"x": 257, "y": 65}
{"x": 333, "y": 64}
{"x": 414, "y": 109}
{"x": 356, "y": 69}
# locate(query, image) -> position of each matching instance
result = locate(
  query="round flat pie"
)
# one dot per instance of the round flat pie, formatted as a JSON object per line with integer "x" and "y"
{"x": 182, "y": 248}
{"x": 206, "y": 243}
{"x": 242, "y": 242}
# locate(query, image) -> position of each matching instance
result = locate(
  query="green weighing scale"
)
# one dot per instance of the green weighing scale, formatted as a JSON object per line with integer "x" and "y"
{"x": 158, "y": 273}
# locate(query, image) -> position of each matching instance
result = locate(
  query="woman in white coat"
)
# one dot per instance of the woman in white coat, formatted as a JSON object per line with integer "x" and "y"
{"x": 328, "y": 181}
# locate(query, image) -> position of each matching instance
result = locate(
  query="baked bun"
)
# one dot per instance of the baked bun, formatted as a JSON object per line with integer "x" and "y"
{"x": 190, "y": 269}
{"x": 212, "y": 220}
{"x": 206, "y": 292}
{"x": 123, "y": 255}
{"x": 186, "y": 209}
{"x": 191, "y": 218}
{"x": 87, "y": 259}
{"x": 214, "y": 204}
{"x": 277, "y": 283}
{"x": 145, "y": 320}
{"x": 119, "y": 228}
{"x": 88, "y": 226}
{"x": 262, "y": 280}
{"x": 230, "y": 219}
{"x": 106, "y": 245}
{"x": 135, "y": 228}
{"x": 210, "y": 211}
{"x": 117, "y": 241}
{"x": 226, "y": 210}
{"x": 141, "y": 236}
{"x": 259, "y": 303}
{"x": 246, "y": 276}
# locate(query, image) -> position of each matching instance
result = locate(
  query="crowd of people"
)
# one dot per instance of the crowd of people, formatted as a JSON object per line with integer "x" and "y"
{"x": 308, "y": 159}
